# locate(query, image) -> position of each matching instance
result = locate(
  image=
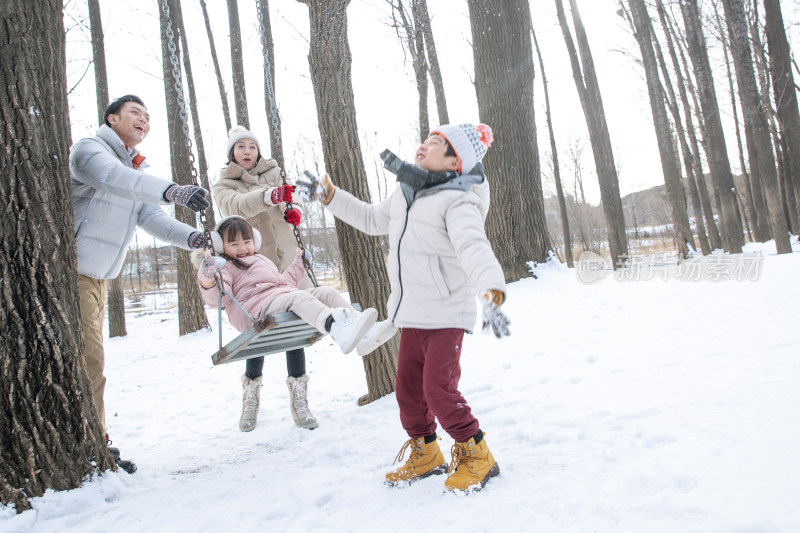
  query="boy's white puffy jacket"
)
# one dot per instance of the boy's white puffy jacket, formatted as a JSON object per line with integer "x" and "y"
{"x": 439, "y": 256}
{"x": 109, "y": 199}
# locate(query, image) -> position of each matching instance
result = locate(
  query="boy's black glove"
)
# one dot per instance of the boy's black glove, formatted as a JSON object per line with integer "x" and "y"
{"x": 415, "y": 177}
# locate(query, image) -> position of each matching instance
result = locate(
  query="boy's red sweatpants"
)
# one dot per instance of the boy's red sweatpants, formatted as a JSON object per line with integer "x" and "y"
{"x": 428, "y": 371}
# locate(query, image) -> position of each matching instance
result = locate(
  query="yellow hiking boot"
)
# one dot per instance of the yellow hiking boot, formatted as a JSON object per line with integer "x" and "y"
{"x": 471, "y": 466}
{"x": 425, "y": 460}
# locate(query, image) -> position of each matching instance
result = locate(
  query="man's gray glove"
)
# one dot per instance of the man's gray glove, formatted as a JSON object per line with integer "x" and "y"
{"x": 197, "y": 239}
{"x": 191, "y": 196}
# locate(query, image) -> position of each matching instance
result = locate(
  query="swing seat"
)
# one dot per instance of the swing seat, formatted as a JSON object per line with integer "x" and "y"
{"x": 277, "y": 332}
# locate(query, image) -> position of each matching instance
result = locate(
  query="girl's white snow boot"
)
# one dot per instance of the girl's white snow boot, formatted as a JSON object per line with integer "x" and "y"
{"x": 251, "y": 400}
{"x": 298, "y": 396}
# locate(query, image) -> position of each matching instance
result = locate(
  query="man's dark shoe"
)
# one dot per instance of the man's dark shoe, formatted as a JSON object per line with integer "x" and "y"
{"x": 128, "y": 466}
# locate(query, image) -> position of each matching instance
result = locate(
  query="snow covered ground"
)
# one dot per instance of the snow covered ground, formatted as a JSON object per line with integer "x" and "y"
{"x": 622, "y": 405}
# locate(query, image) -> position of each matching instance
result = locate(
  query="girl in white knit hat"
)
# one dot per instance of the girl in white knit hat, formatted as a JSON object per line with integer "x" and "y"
{"x": 439, "y": 261}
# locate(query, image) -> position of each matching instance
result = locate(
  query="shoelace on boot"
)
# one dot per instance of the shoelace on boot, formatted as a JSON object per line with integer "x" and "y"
{"x": 459, "y": 453}
{"x": 299, "y": 399}
{"x": 250, "y": 400}
{"x": 416, "y": 452}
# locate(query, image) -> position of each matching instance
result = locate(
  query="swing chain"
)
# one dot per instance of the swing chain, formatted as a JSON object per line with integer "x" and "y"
{"x": 276, "y": 128}
{"x": 178, "y": 85}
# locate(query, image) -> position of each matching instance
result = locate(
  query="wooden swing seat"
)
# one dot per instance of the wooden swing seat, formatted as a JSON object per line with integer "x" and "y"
{"x": 276, "y": 332}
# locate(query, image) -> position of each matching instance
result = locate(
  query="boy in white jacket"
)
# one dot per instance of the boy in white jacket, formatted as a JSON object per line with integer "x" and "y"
{"x": 439, "y": 260}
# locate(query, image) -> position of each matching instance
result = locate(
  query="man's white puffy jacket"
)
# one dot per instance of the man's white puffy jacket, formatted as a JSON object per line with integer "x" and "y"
{"x": 110, "y": 198}
{"x": 439, "y": 256}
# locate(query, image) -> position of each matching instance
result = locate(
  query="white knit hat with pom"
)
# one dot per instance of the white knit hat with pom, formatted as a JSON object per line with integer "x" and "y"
{"x": 470, "y": 142}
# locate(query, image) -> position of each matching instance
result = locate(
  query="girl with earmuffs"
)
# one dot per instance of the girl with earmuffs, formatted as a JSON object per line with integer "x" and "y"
{"x": 261, "y": 289}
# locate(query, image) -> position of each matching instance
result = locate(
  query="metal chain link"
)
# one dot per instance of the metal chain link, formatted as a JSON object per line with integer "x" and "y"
{"x": 273, "y": 109}
{"x": 178, "y": 85}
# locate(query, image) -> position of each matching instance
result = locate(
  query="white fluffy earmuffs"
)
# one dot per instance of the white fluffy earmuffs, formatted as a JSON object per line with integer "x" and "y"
{"x": 216, "y": 238}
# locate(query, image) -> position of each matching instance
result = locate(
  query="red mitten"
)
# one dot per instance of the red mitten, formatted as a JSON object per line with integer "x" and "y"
{"x": 293, "y": 216}
{"x": 281, "y": 194}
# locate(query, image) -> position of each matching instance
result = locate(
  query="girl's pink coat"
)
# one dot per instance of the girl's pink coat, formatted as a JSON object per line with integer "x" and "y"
{"x": 253, "y": 287}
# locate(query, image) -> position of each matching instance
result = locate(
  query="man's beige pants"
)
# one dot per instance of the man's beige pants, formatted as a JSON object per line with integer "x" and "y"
{"x": 93, "y": 307}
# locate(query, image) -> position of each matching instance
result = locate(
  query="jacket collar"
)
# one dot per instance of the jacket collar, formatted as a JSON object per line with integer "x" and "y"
{"x": 234, "y": 171}
{"x": 126, "y": 155}
{"x": 459, "y": 182}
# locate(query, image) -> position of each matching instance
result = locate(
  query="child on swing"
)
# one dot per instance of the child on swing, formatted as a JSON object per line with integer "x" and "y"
{"x": 258, "y": 285}
{"x": 439, "y": 260}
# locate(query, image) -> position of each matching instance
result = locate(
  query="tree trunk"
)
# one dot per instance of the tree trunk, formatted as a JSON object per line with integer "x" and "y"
{"x": 562, "y": 203}
{"x": 715, "y": 139}
{"x": 754, "y": 194}
{"x": 330, "y": 63}
{"x": 715, "y": 242}
{"x": 421, "y": 74}
{"x": 420, "y": 8}
{"x": 198, "y": 132}
{"x": 589, "y": 92}
{"x": 789, "y": 195}
{"x": 237, "y": 65}
{"x": 410, "y": 35}
{"x": 783, "y": 87}
{"x": 99, "y": 59}
{"x": 501, "y": 44}
{"x": 669, "y": 159}
{"x": 191, "y": 312}
{"x": 50, "y": 435}
{"x": 116, "y": 294}
{"x": 223, "y": 96}
{"x": 759, "y": 145}
{"x": 688, "y": 157}
{"x": 271, "y": 106}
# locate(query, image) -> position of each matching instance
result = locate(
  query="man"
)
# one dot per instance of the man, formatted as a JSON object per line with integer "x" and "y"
{"x": 111, "y": 196}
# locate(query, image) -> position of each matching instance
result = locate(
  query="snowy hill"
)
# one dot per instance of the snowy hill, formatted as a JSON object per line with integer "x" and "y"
{"x": 622, "y": 405}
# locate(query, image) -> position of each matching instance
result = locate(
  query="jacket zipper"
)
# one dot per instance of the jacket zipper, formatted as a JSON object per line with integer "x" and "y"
{"x": 399, "y": 269}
